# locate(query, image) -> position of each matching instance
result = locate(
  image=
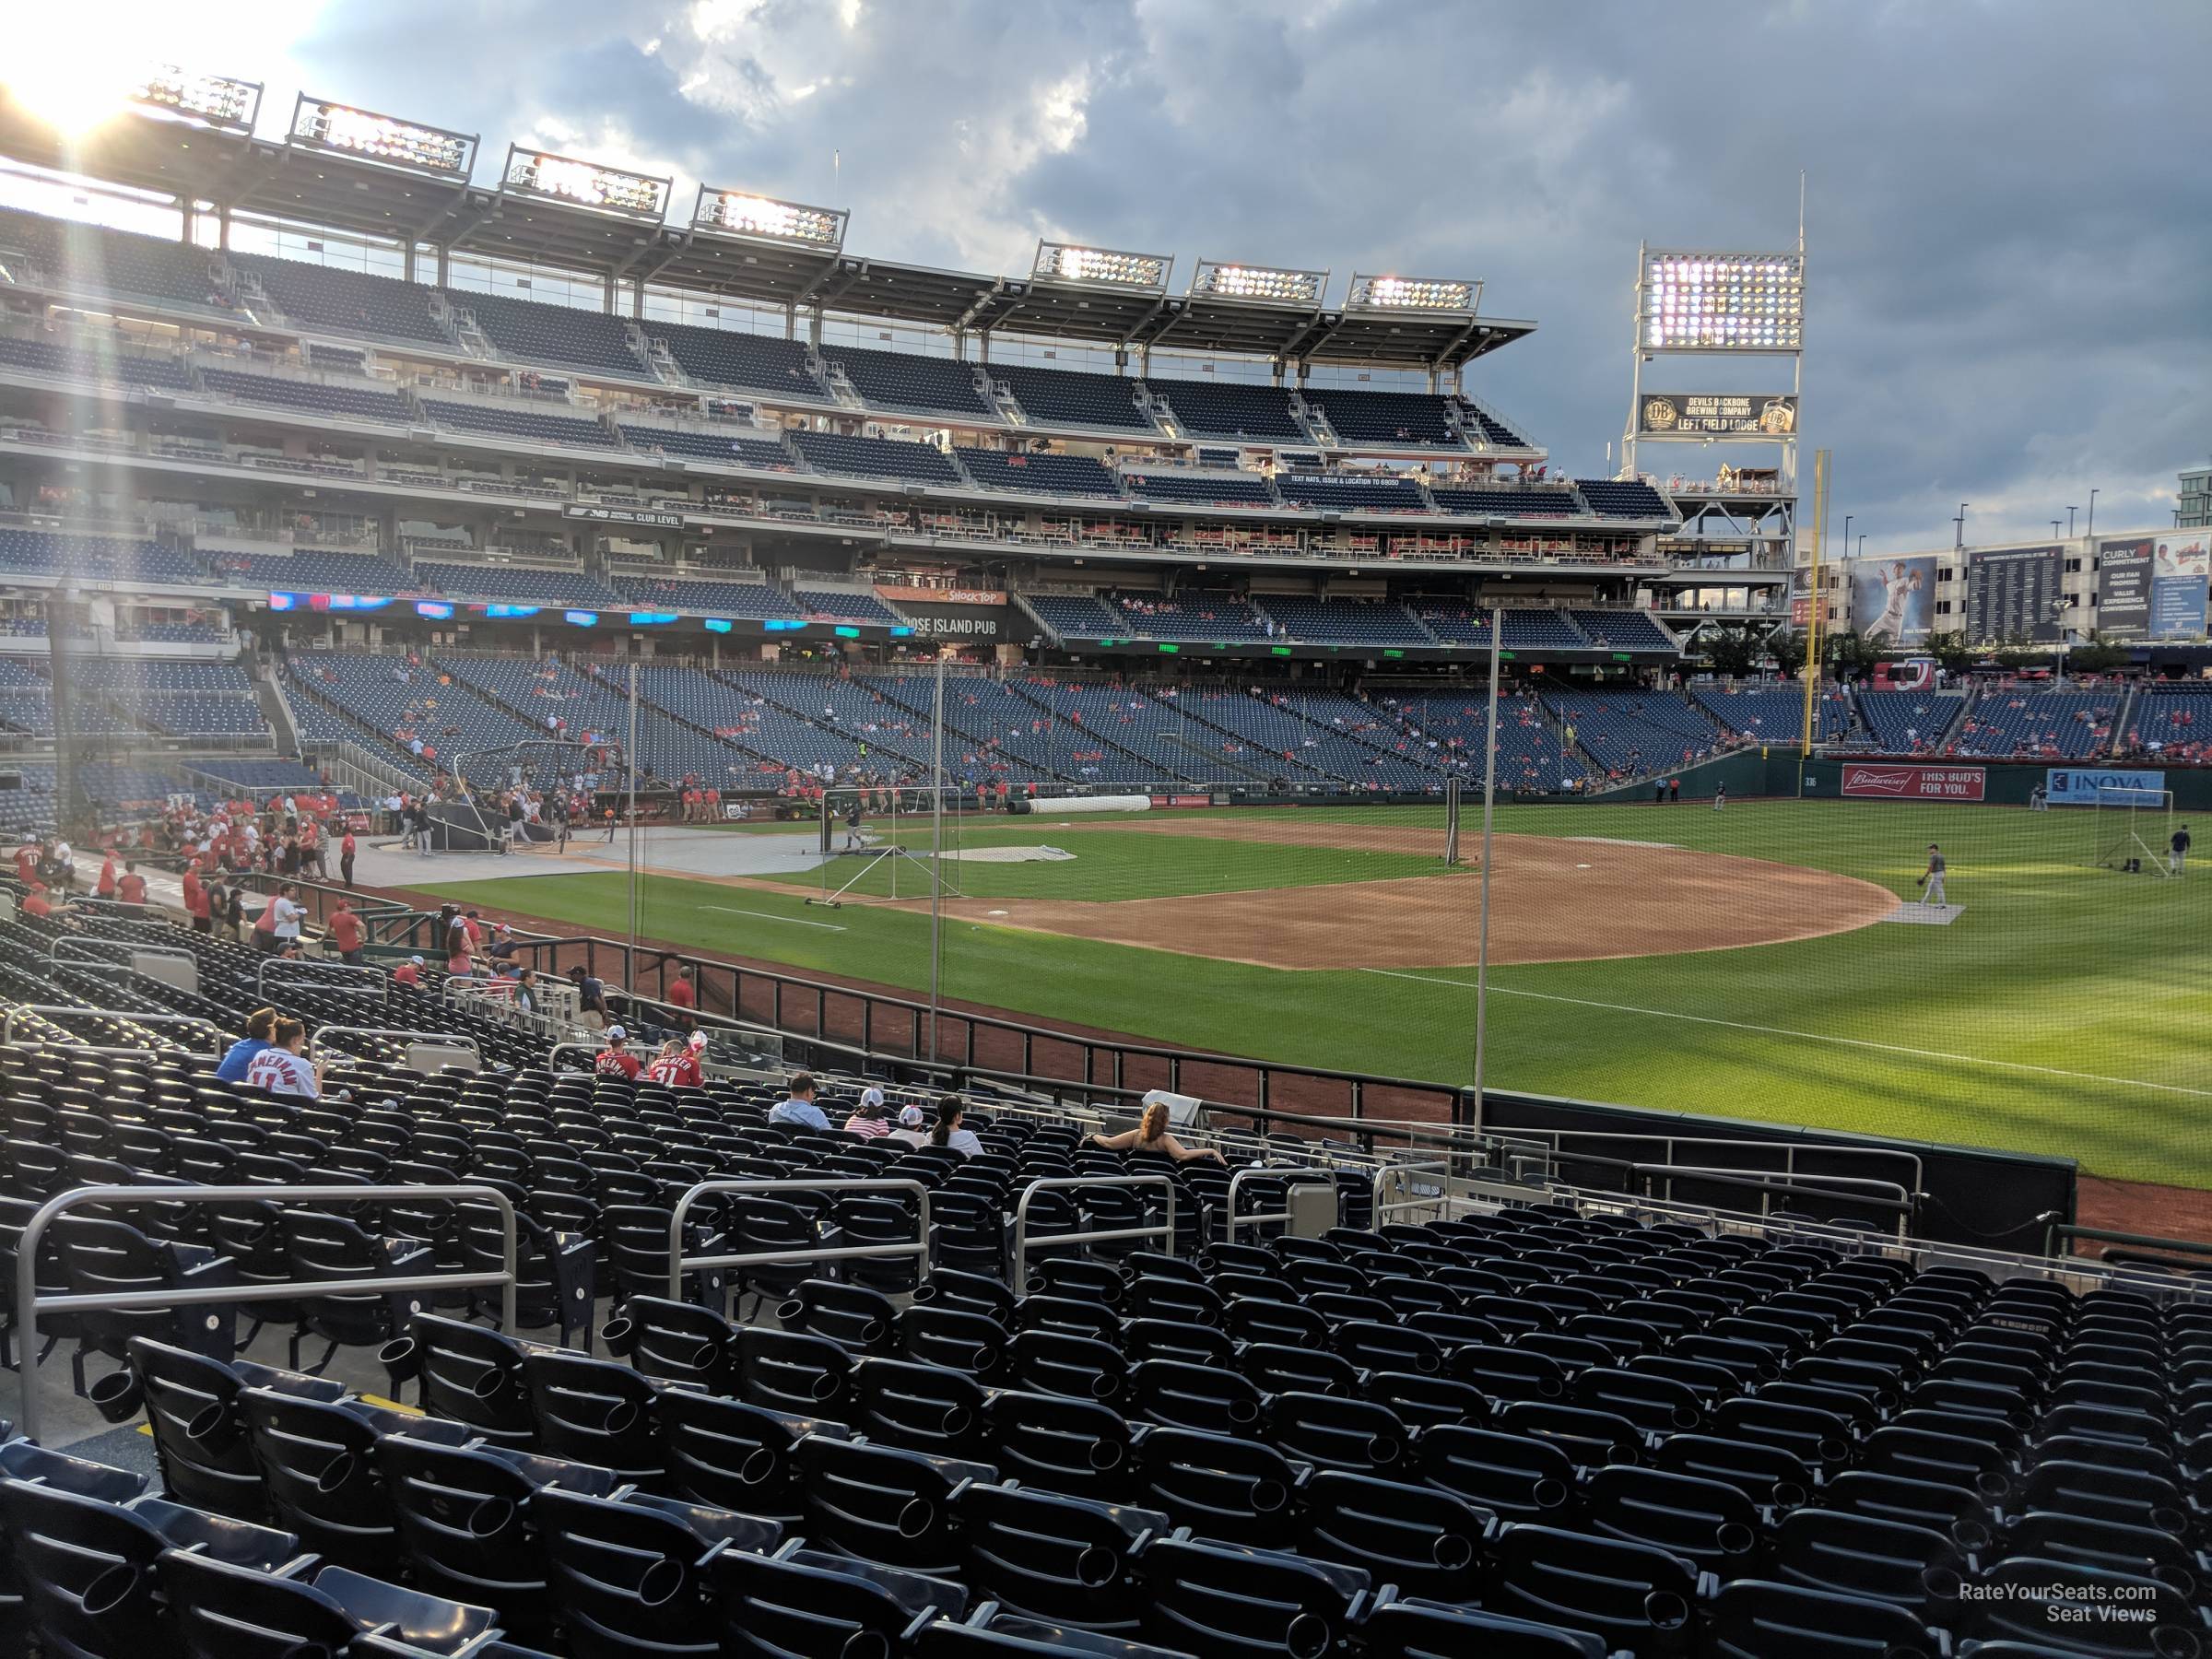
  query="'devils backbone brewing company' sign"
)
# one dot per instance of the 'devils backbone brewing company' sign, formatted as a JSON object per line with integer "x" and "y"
{"x": 1717, "y": 414}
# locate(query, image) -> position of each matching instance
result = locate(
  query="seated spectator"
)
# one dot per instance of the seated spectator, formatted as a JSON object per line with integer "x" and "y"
{"x": 676, "y": 1064}
{"x": 870, "y": 1118}
{"x": 131, "y": 890}
{"x": 1151, "y": 1134}
{"x": 503, "y": 943}
{"x": 798, "y": 1107}
{"x": 283, "y": 1068}
{"x": 260, "y": 1024}
{"x": 615, "y": 1060}
{"x": 911, "y": 1129}
{"x": 947, "y": 1131}
{"x": 409, "y": 973}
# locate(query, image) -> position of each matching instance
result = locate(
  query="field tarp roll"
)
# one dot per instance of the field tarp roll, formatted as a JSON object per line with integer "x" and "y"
{"x": 1073, "y": 804}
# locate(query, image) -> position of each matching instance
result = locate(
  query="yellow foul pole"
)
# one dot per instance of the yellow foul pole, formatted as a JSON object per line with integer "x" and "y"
{"x": 1817, "y": 610}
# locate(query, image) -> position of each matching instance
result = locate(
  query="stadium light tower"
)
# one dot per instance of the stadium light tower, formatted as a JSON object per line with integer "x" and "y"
{"x": 541, "y": 173}
{"x": 319, "y": 124}
{"x": 1258, "y": 285}
{"x": 1445, "y": 294}
{"x": 1960, "y": 540}
{"x": 764, "y": 218}
{"x": 1102, "y": 267}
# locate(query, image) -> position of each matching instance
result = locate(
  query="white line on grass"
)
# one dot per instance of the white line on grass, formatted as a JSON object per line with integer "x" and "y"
{"x": 1740, "y": 1025}
{"x": 771, "y": 916}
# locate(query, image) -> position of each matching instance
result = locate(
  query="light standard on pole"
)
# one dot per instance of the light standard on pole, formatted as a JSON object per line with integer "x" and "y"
{"x": 1961, "y": 521}
{"x": 2092, "y": 525}
{"x": 1847, "y": 535}
{"x": 2069, "y": 524}
{"x": 1861, "y": 544}
{"x": 2055, "y": 529}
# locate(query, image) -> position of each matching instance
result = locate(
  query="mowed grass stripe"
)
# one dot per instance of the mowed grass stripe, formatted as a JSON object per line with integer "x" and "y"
{"x": 2053, "y": 965}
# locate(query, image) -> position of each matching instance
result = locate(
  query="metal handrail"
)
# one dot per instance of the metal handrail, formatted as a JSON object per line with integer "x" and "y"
{"x": 136, "y": 947}
{"x": 679, "y": 1264}
{"x": 383, "y": 988}
{"x": 451, "y": 1038}
{"x": 1391, "y": 1173}
{"x": 29, "y": 1304}
{"x": 1286, "y": 1173}
{"x": 49, "y": 1010}
{"x": 1113, "y": 1235}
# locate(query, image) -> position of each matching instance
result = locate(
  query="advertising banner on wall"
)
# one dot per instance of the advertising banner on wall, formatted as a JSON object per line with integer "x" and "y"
{"x": 2180, "y": 575}
{"x": 1892, "y": 600}
{"x": 2124, "y": 577}
{"x": 1915, "y": 782}
{"x": 2080, "y": 785}
{"x": 1718, "y": 413}
{"x": 2015, "y": 594}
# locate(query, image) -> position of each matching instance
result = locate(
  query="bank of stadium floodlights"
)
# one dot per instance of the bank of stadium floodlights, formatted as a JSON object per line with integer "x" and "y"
{"x": 220, "y": 100}
{"x": 320, "y": 124}
{"x": 1726, "y": 303}
{"x": 574, "y": 183}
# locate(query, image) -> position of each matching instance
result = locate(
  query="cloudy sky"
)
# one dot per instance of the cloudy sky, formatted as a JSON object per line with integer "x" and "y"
{"x": 2009, "y": 222}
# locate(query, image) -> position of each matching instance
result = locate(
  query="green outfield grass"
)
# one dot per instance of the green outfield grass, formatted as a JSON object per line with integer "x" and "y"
{"x": 2062, "y": 1013}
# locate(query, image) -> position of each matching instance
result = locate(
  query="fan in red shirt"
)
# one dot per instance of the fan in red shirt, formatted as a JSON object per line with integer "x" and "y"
{"x": 105, "y": 886}
{"x": 678, "y": 1062}
{"x": 36, "y": 903}
{"x": 408, "y": 972}
{"x": 26, "y": 863}
{"x": 195, "y": 899}
{"x": 131, "y": 890}
{"x": 615, "y": 1060}
{"x": 683, "y": 994}
{"x": 346, "y": 933}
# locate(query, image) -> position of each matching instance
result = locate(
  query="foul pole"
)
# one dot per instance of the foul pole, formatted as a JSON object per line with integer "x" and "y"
{"x": 630, "y": 759}
{"x": 1818, "y": 606}
{"x": 1489, "y": 807}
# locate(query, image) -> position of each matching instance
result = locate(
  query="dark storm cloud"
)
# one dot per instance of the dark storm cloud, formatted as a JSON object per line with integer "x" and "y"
{"x": 2010, "y": 220}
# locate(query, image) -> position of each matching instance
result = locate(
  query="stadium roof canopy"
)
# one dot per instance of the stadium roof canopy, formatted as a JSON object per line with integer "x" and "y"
{"x": 227, "y": 165}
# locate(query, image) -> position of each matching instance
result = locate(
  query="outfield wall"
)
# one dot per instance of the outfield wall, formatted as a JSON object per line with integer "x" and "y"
{"x": 1777, "y": 772}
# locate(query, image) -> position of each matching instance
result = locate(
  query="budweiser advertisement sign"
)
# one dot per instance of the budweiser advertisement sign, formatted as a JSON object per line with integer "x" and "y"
{"x": 1915, "y": 782}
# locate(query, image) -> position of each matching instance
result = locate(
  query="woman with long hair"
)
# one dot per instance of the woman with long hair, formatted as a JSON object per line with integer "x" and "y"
{"x": 946, "y": 1130}
{"x": 1151, "y": 1135}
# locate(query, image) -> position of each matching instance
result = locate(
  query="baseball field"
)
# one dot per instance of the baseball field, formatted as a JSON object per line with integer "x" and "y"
{"x": 1752, "y": 962}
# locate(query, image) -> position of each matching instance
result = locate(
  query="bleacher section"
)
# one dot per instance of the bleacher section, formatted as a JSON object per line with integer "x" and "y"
{"x": 561, "y": 337}
{"x": 1049, "y": 475}
{"x": 1622, "y": 630}
{"x": 875, "y": 457}
{"x": 1622, "y": 498}
{"x": 311, "y": 572}
{"x": 904, "y": 380}
{"x": 2070, "y": 725}
{"x": 1365, "y": 420}
{"x": 843, "y": 605}
{"x": 2172, "y": 721}
{"x": 744, "y": 362}
{"x": 1109, "y": 735}
{"x": 1004, "y": 733}
{"x": 1530, "y": 760}
{"x": 91, "y": 362}
{"x": 1631, "y": 732}
{"x": 779, "y": 716}
{"x": 1199, "y": 490}
{"x": 710, "y": 598}
{"x": 386, "y": 706}
{"x": 346, "y": 302}
{"x": 1506, "y": 503}
{"x": 1343, "y": 621}
{"x": 1491, "y": 428}
{"x": 1231, "y": 409}
{"x": 1061, "y": 397}
{"x": 94, "y": 558}
{"x": 736, "y": 449}
{"x": 1905, "y": 722}
{"x": 1773, "y": 715}
{"x": 1213, "y": 618}
{"x": 310, "y": 397}
{"x": 1077, "y": 615}
{"x": 508, "y": 421}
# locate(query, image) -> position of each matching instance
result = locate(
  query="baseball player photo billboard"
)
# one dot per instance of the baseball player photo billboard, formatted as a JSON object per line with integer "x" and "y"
{"x": 2180, "y": 573}
{"x": 1894, "y": 600}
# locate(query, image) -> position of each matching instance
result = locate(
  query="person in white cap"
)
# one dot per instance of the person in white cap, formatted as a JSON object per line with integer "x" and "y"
{"x": 914, "y": 1126}
{"x": 615, "y": 1060}
{"x": 408, "y": 972}
{"x": 869, "y": 1118}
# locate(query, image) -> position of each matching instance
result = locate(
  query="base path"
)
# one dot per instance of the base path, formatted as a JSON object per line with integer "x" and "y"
{"x": 1552, "y": 900}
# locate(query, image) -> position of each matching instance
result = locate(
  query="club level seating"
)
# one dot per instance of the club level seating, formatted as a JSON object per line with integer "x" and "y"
{"x": 1631, "y": 732}
{"x": 1622, "y": 498}
{"x": 1343, "y": 621}
{"x": 1200, "y": 490}
{"x": 513, "y": 584}
{"x": 902, "y": 380}
{"x": 312, "y": 397}
{"x": 346, "y": 302}
{"x": 172, "y": 633}
{"x": 1622, "y": 630}
{"x": 1905, "y": 722}
{"x": 744, "y": 362}
{"x": 518, "y": 423}
{"x": 1065, "y": 397}
{"x": 1773, "y": 715}
{"x": 2071, "y": 725}
{"x": 843, "y": 604}
{"x": 1191, "y": 614}
{"x": 759, "y": 453}
{"x": 312, "y": 572}
{"x": 1077, "y": 615}
{"x": 1330, "y": 493}
{"x": 96, "y": 361}
{"x": 1365, "y": 417}
{"x": 1536, "y": 502}
{"x": 529, "y": 331}
{"x": 345, "y": 359}
{"x": 1047, "y": 475}
{"x": 94, "y": 558}
{"x": 875, "y": 457}
{"x": 714, "y": 598}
